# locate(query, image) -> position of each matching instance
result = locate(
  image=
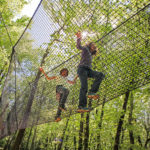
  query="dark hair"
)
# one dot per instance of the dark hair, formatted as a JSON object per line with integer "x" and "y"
{"x": 64, "y": 69}
{"x": 89, "y": 46}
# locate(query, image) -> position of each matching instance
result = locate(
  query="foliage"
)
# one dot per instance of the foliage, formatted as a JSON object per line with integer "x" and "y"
{"x": 121, "y": 57}
{"x": 10, "y": 30}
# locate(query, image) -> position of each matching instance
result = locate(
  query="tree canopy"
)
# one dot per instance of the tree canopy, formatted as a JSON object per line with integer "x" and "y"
{"x": 120, "y": 30}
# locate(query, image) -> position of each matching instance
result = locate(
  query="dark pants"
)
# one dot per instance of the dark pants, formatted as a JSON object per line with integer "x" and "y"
{"x": 85, "y": 73}
{"x": 63, "y": 97}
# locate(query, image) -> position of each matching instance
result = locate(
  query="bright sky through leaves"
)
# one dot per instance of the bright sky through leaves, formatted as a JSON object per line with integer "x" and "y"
{"x": 30, "y": 8}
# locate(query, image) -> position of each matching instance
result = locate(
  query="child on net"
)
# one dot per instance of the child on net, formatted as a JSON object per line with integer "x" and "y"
{"x": 62, "y": 91}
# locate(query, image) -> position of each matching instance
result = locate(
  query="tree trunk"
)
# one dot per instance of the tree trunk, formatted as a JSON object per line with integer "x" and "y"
{"x": 74, "y": 139}
{"x": 18, "y": 139}
{"x": 86, "y": 135}
{"x": 29, "y": 138}
{"x": 130, "y": 121}
{"x": 28, "y": 107}
{"x": 22, "y": 131}
{"x": 147, "y": 141}
{"x": 117, "y": 138}
{"x": 33, "y": 90}
{"x": 146, "y": 126}
{"x": 38, "y": 146}
{"x": 10, "y": 140}
{"x": 139, "y": 140}
{"x": 62, "y": 138}
{"x": 81, "y": 133}
{"x": 6, "y": 145}
{"x": 66, "y": 146}
{"x": 34, "y": 135}
{"x": 100, "y": 125}
{"x": 122, "y": 136}
{"x": 46, "y": 143}
{"x": 30, "y": 101}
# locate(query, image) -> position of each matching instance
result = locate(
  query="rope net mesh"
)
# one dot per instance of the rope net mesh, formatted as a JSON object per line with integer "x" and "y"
{"x": 120, "y": 30}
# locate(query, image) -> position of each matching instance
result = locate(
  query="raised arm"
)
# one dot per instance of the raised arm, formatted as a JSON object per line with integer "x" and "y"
{"x": 79, "y": 37}
{"x": 74, "y": 81}
{"x": 47, "y": 77}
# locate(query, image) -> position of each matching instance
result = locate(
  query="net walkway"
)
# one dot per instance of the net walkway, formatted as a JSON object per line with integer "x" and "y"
{"x": 120, "y": 30}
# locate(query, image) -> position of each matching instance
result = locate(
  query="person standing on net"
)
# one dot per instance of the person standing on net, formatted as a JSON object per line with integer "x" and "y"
{"x": 62, "y": 90}
{"x": 84, "y": 72}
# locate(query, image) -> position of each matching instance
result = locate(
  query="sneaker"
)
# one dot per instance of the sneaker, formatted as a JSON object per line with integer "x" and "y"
{"x": 83, "y": 109}
{"x": 63, "y": 109}
{"x": 57, "y": 119}
{"x": 93, "y": 96}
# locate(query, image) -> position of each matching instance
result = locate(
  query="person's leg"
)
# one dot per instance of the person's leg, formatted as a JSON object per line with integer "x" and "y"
{"x": 57, "y": 117}
{"x": 58, "y": 97}
{"x": 82, "y": 72}
{"x": 58, "y": 113}
{"x": 98, "y": 76}
{"x": 63, "y": 97}
{"x": 58, "y": 94}
{"x": 65, "y": 92}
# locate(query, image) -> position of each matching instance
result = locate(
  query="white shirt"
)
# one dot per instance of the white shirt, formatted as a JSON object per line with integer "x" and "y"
{"x": 60, "y": 80}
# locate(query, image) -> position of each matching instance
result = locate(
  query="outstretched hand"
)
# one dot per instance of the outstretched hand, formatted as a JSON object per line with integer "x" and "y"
{"x": 41, "y": 69}
{"x": 78, "y": 34}
{"x": 47, "y": 77}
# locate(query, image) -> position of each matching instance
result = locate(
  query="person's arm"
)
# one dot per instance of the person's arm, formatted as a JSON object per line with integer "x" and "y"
{"x": 79, "y": 37}
{"x": 74, "y": 81}
{"x": 47, "y": 77}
